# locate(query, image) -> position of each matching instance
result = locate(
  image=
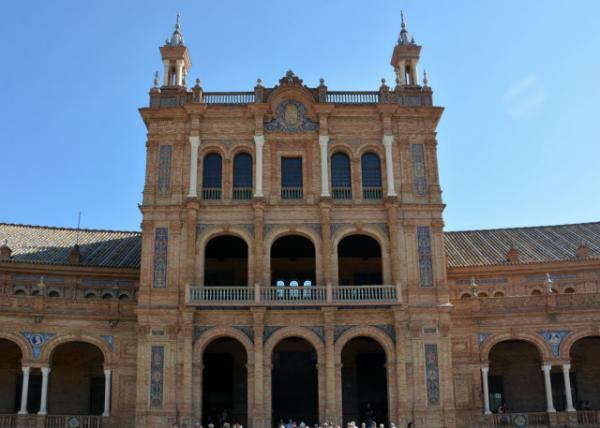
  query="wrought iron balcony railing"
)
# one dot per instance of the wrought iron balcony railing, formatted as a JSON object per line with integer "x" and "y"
{"x": 354, "y": 295}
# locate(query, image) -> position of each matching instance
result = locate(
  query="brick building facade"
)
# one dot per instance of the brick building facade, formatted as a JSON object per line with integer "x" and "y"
{"x": 292, "y": 263}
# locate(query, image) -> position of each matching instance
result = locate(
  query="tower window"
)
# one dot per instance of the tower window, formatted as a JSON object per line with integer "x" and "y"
{"x": 211, "y": 177}
{"x": 242, "y": 177}
{"x": 371, "y": 176}
{"x": 291, "y": 178}
{"x": 341, "y": 181}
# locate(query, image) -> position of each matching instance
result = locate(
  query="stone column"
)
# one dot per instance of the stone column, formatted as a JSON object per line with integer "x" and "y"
{"x": 179, "y": 72}
{"x": 548, "y": 385}
{"x": 260, "y": 413}
{"x": 195, "y": 144}
{"x": 107, "y": 384}
{"x": 259, "y": 141}
{"x": 166, "y": 73}
{"x": 330, "y": 388}
{"x": 566, "y": 368}
{"x": 324, "y": 143}
{"x": 44, "y": 400}
{"x": 388, "y": 140}
{"x": 401, "y": 72}
{"x": 414, "y": 72}
{"x": 24, "y": 390}
{"x": 486, "y": 390}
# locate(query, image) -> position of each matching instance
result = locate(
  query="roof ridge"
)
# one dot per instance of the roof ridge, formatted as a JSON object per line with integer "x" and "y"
{"x": 524, "y": 227}
{"x": 35, "y": 226}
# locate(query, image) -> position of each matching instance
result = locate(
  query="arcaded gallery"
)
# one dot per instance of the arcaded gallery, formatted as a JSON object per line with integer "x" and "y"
{"x": 293, "y": 268}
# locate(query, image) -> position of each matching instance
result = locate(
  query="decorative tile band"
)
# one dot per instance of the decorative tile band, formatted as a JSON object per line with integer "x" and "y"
{"x": 165, "y": 153}
{"x": 110, "y": 340}
{"x": 37, "y": 341}
{"x": 432, "y": 374}
{"x": 419, "y": 178}
{"x": 554, "y": 339}
{"x": 161, "y": 241}
{"x": 425, "y": 261}
{"x": 482, "y": 337}
{"x": 157, "y": 365}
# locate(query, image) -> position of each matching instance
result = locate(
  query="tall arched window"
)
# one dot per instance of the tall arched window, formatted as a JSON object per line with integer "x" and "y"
{"x": 242, "y": 177}
{"x": 371, "y": 176}
{"x": 341, "y": 182}
{"x": 211, "y": 177}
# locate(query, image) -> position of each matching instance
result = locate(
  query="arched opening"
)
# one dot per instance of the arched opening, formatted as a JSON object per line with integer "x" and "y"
{"x": 294, "y": 382}
{"x": 341, "y": 181}
{"x": 225, "y": 383}
{"x": 371, "y": 176}
{"x": 498, "y": 294}
{"x": 211, "y": 177}
{"x": 569, "y": 290}
{"x": 90, "y": 295}
{"x": 226, "y": 261}
{"x": 11, "y": 380}
{"x": 53, "y": 293}
{"x": 482, "y": 295}
{"x": 465, "y": 296}
{"x": 242, "y": 177}
{"x": 364, "y": 382}
{"x": 292, "y": 260}
{"x": 359, "y": 261}
{"x": 515, "y": 380}
{"x": 585, "y": 373}
{"x": 536, "y": 293}
{"x": 76, "y": 384}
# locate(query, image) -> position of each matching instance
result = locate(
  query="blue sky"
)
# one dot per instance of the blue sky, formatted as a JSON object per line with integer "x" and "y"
{"x": 518, "y": 142}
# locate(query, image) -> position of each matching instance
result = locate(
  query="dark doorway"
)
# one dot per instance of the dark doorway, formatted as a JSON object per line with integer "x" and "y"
{"x": 295, "y": 383}
{"x": 224, "y": 383}
{"x": 226, "y": 262}
{"x": 10, "y": 373}
{"x": 292, "y": 259}
{"x": 364, "y": 382}
{"x": 359, "y": 261}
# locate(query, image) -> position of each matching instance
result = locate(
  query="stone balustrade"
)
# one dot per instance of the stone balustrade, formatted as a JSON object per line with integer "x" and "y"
{"x": 355, "y": 295}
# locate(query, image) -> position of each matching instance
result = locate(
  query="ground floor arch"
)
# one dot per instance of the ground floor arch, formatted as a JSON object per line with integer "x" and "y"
{"x": 294, "y": 382}
{"x": 585, "y": 373}
{"x": 225, "y": 382}
{"x": 516, "y": 379}
{"x": 226, "y": 261}
{"x": 11, "y": 376}
{"x": 359, "y": 261}
{"x": 77, "y": 380}
{"x": 364, "y": 382}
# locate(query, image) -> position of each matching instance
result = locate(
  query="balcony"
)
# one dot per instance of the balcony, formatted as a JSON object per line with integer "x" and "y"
{"x": 344, "y": 295}
{"x": 57, "y": 421}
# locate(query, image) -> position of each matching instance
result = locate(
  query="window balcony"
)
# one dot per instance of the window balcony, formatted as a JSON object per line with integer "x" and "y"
{"x": 347, "y": 295}
{"x": 242, "y": 193}
{"x": 372, "y": 193}
{"x": 341, "y": 193}
{"x": 211, "y": 194}
{"x": 292, "y": 193}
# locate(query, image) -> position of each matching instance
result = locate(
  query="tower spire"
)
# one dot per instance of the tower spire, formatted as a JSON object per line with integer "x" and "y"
{"x": 176, "y": 37}
{"x": 406, "y": 57}
{"x": 176, "y": 59}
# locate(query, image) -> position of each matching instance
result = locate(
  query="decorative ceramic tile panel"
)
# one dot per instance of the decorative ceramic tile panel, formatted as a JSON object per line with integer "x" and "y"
{"x": 37, "y": 341}
{"x": 419, "y": 178}
{"x": 157, "y": 368}
{"x": 165, "y": 154}
{"x": 482, "y": 337}
{"x": 161, "y": 241}
{"x": 554, "y": 339}
{"x": 432, "y": 374}
{"x": 291, "y": 116}
{"x": 425, "y": 261}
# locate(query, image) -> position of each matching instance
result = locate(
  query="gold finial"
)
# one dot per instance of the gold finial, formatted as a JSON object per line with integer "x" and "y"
{"x": 425, "y": 79}
{"x": 156, "y": 79}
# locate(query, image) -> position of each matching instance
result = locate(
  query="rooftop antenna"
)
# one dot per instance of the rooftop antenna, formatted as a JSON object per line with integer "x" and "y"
{"x": 78, "y": 225}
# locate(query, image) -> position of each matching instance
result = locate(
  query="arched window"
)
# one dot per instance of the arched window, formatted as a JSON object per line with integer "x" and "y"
{"x": 211, "y": 177}
{"x": 53, "y": 293}
{"x": 498, "y": 294}
{"x": 242, "y": 177}
{"x": 341, "y": 182}
{"x": 569, "y": 290}
{"x": 371, "y": 176}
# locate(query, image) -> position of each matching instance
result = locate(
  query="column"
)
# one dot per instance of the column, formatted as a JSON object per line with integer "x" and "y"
{"x": 195, "y": 143}
{"x": 324, "y": 142}
{"x": 166, "y": 72}
{"x": 548, "y": 385}
{"x": 414, "y": 72}
{"x": 24, "y": 390}
{"x": 259, "y": 142}
{"x": 401, "y": 73}
{"x": 388, "y": 140}
{"x": 179, "y": 72}
{"x": 44, "y": 400}
{"x": 107, "y": 383}
{"x": 566, "y": 368}
{"x": 486, "y": 390}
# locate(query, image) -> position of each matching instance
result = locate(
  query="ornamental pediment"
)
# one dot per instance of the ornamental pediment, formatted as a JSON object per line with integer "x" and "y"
{"x": 290, "y": 116}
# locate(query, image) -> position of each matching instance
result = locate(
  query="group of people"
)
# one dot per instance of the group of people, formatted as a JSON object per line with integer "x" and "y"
{"x": 351, "y": 424}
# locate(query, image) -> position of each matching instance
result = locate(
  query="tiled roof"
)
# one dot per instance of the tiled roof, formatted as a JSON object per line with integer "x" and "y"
{"x": 535, "y": 244}
{"x": 53, "y": 245}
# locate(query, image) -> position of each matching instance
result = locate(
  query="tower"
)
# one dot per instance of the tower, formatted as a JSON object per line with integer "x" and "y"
{"x": 176, "y": 59}
{"x": 405, "y": 57}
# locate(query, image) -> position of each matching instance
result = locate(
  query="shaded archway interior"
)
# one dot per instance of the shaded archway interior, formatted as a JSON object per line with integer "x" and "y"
{"x": 11, "y": 378}
{"x": 76, "y": 383}
{"x": 226, "y": 261}
{"x": 585, "y": 373}
{"x": 293, "y": 259}
{"x": 225, "y": 383}
{"x": 359, "y": 261}
{"x": 516, "y": 380}
{"x": 294, "y": 381}
{"x": 364, "y": 382}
